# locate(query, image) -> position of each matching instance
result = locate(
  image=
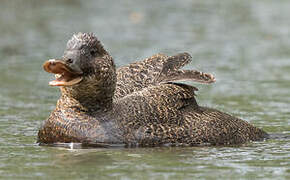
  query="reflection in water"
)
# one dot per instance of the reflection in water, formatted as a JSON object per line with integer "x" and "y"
{"x": 244, "y": 44}
{"x": 86, "y": 158}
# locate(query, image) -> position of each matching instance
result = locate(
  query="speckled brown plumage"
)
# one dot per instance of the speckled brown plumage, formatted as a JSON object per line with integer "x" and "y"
{"x": 156, "y": 70}
{"x": 141, "y": 104}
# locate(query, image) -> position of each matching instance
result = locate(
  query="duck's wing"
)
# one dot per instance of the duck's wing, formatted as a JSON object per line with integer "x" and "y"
{"x": 157, "y": 115}
{"x": 156, "y": 70}
{"x": 168, "y": 114}
{"x": 157, "y": 104}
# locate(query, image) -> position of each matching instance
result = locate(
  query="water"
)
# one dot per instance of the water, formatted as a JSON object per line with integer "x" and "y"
{"x": 245, "y": 44}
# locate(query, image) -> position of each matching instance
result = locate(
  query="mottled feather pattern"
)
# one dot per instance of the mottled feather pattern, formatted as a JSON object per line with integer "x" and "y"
{"x": 141, "y": 104}
{"x": 171, "y": 119}
{"x": 156, "y": 70}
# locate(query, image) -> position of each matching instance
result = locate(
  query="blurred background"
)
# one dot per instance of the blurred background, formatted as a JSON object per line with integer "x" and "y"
{"x": 245, "y": 44}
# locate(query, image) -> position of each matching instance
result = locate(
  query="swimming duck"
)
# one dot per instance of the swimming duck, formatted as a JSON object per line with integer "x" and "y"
{"x": 141, "y": 104}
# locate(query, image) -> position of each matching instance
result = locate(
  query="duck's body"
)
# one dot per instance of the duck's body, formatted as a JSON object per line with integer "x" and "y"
{"x": 137, "y": 105}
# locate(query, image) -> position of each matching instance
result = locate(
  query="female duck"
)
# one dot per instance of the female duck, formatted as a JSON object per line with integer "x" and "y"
{"x": 136, "y": 105}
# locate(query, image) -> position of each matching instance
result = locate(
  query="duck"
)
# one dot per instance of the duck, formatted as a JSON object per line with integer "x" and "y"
{"x": 143, "y": 104}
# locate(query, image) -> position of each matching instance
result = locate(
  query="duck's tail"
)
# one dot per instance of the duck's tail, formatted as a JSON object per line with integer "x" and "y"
{"x": 158, "y": 69}
{"x": 171, "y": 71}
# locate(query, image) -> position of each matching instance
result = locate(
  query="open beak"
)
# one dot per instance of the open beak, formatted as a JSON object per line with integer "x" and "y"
{"x": 65, "y": 76}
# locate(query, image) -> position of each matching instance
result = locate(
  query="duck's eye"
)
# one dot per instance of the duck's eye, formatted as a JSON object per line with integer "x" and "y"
{"x": 93, "y": 52}
{"x": 69, "y": 61}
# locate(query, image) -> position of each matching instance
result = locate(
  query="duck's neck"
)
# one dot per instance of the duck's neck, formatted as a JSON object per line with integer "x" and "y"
{"x": 87, "y": 100}
{"x": 89, "y": 105}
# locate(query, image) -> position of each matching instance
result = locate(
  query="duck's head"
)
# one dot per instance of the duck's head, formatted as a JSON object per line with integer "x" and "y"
{"x": 86, "y": 70}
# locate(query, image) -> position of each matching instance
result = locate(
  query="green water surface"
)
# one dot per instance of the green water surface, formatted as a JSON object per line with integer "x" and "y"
{"x": 245, "y": 44}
